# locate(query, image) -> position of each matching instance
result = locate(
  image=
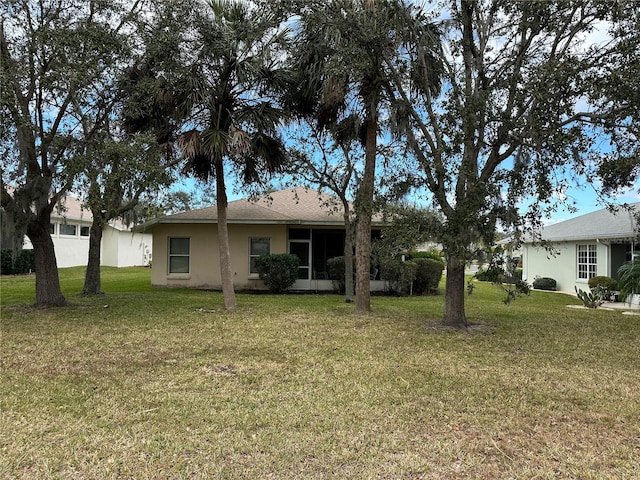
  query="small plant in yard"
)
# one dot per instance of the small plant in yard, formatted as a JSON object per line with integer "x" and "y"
{"x": 278, "y": 271}
{"x": 592, "y": 299}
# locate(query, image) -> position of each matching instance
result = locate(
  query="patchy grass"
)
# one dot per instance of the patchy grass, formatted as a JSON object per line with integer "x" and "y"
{"x": 163, "y": 383}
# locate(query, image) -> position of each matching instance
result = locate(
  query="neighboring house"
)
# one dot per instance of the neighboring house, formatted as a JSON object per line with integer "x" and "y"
{"x": 303, "y": 222}
{"x": 595, "y": 244}
{"x": 69, "y": 228}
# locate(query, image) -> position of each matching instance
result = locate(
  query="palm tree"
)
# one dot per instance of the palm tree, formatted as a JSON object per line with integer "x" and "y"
{"x": 219, "y": 107}
{"x": 343, "y": 49}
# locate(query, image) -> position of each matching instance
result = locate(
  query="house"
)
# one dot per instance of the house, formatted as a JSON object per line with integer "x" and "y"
{"x": 69, "y": 228}
{"x": 303, "y": 222}
{"x": 595, "y": 244}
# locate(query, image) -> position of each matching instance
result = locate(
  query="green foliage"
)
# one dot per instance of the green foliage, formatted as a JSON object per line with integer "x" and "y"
{"x": 336, "y": 270}
{"x": 544, "y": 283}
{"x": 278, "y": 271}
{"x": 24, "y": 262}
{"x": 409, "y": 228}
{"x": 592, "y": 299}
{"x": 518, "y": 289}
{"x": 428, "y": 275}
{"x": 494, "y": 274}
{"x": 629, "y": 275}
{"x": 398, "y": 274}
{"x": 432, "y": 254}
{"x": 607, "y": 283}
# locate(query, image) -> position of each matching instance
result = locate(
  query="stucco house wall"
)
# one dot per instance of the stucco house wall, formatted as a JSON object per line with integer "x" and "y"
{"x": 607, "y": 239}
{"x": 561, "y": 264}
{"x": 303, "y": 222}
{"x": 204, "y": 261}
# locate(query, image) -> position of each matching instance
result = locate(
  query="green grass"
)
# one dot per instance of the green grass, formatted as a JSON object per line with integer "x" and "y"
{"x": 163, "y": 383}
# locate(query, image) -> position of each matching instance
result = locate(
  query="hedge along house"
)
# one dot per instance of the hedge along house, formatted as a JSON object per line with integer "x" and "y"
{"x": 306, "y": 223}
{"x": 595, "y": 244}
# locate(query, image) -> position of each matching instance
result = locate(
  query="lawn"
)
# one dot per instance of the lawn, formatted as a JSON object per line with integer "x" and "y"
{"x": 163, "y": 383}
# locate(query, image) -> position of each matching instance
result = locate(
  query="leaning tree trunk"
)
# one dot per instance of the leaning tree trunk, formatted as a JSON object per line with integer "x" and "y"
{"x": 92, "y": 280}
{"x": 364, "y": 209}
{"x": 48, "y": 292}
{"x": 454, "y": 315}
{"x": 226, "y": 273}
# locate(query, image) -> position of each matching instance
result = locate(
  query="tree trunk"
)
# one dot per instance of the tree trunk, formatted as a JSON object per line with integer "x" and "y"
{"x": 348, "y": 260}
{"x": 454, "y": 315}
{"x": 92, "y": 280}
{"x": 364, "y": 209}
{"x": 48, "y": 292}
{"x": 226, "y": 273}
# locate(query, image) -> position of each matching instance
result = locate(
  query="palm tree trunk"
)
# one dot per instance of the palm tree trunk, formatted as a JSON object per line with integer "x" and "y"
{"x": 226, "y": 273}
{"x": 364, "y": 209}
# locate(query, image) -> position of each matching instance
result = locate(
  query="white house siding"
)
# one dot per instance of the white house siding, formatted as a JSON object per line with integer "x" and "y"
{"x": 563, "y": 266}
{"x": 71, "y": 250}
{"x": 125, "y": 248}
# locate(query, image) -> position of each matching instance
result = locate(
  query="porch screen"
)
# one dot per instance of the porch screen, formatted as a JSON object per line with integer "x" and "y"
{"x": 587, "y": 261}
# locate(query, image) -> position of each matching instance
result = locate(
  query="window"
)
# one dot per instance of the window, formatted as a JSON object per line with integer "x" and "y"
{"x": 84, "y": 231}
{"x": 52, "y": 228}
{"x": 67, "y": 229}
{"x": 179, "y": 251}
{"x": 257, "y": 247}
{"x": 587, "y": 261}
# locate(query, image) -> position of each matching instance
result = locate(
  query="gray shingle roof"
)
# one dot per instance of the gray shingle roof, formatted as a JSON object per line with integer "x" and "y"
{"x": 291, "y": 206}
{"x": 602, "y": 224}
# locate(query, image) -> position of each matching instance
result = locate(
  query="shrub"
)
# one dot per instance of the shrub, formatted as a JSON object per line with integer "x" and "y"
{"x": 428, "y": 275}
{"x": 607, "y": 283}
{"x": 544, "y": 283}
{"x": 278, "y": 271}
{"x": 24, "y": 262}
{"x": 517, "y": 275}
{"x": 6, "y": 262}
{"x": 493, "y": 274}
{"x": 398, "y": 274}
{"x": 335, "y": 268}
{"x": 432, "y": 254}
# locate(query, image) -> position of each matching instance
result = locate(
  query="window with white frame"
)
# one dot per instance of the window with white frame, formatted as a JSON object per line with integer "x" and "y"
{"x": 179, "y": 254}
{"x": 84, "y": 231}
{"x": 587, "y": 261}
{"x": 257, "y": 247}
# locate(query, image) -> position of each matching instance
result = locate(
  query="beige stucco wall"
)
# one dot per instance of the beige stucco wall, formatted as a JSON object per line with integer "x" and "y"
{"x": 563, "y": 267}
{"x": 204, "y": 268}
